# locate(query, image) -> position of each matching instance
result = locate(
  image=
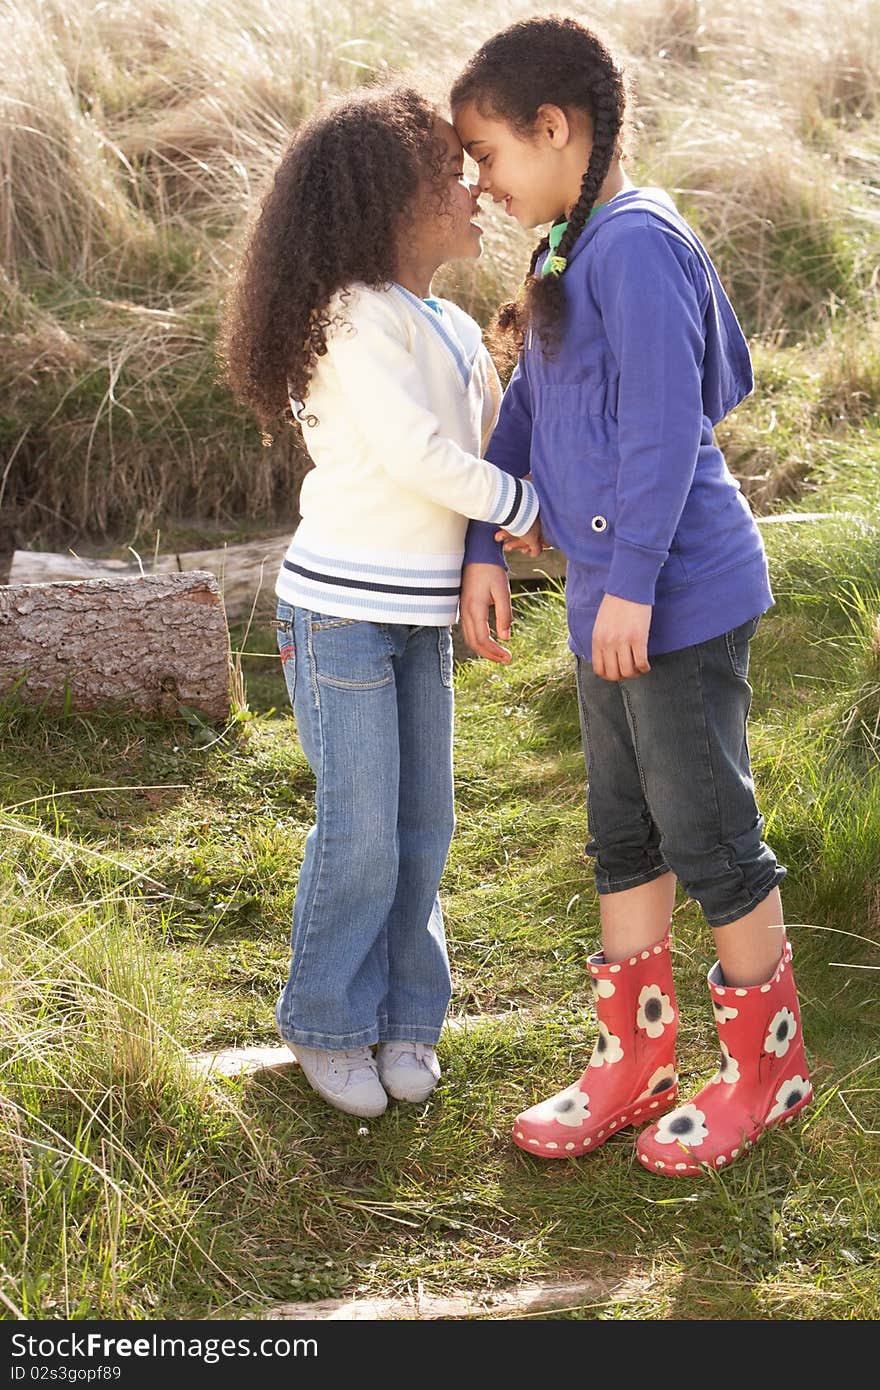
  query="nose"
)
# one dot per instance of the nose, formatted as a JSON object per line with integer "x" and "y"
{"x": 475, "y": 191}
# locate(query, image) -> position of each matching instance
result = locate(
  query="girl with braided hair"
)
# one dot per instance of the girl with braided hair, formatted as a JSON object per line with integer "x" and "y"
{"x": 628, "y": 354}
{"x": 332, "y": 319}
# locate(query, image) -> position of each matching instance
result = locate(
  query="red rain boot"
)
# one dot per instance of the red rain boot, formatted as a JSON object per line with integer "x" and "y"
{"x": 762, "y": 1080}
{"x": 631, "y": 1075}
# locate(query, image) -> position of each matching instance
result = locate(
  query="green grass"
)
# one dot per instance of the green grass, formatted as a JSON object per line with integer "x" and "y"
{"x": 147, "y": 871}
{"x": 146, "y": 883}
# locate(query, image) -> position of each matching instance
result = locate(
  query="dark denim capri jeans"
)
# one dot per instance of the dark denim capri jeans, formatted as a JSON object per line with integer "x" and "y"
{"x": 670, "y": 786}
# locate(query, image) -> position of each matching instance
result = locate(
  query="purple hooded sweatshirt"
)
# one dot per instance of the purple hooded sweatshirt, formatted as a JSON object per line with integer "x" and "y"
{"x": 615, "y": 428}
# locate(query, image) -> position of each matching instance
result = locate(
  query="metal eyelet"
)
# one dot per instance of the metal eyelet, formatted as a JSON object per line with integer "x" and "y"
{"x": 599, "y": 524}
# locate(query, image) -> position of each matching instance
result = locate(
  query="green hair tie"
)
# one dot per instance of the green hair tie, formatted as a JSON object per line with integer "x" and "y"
{"x": 554, "y": 265}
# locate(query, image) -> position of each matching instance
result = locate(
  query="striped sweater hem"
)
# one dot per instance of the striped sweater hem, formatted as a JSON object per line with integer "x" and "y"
{"x": 386, "y": 588}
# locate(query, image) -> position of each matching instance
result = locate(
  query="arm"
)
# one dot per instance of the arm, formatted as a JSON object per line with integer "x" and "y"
{"x": 651, "y": 293}
{"x": 508, "y": 449}
{"x": 389, "y": 399}
{"x": 484, "y": 577}
{"x": 485, "y": 586}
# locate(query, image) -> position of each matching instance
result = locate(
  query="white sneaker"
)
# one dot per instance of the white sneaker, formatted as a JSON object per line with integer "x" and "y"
{"x": 346, "y": 1077}
{"x": 407, "y": 1070}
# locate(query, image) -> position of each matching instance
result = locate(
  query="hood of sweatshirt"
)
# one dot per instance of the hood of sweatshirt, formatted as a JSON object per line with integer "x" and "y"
{"x": 727, "y": 368}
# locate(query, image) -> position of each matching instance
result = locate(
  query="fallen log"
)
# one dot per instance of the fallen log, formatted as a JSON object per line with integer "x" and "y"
{"x": 149, "y": 643}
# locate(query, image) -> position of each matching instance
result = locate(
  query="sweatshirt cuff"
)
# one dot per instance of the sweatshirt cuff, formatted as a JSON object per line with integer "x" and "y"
{"x": 633, "y": 572}
{"x": 481, "y": 547}
{"x": 517, "y": 507}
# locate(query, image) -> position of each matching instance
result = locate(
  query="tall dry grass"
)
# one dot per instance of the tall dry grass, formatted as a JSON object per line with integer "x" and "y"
{"x": 107, "y": 1140}
{"x": 134, "y": 138}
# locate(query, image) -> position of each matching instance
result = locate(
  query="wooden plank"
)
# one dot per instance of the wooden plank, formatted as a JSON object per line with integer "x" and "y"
{"x": 793, "y": 518}
{"x": 550, "y": 565}
{"x": 148, "y": 644}
{"x": 246, "y": 1061}
{"x": 244, "y": 572}
{"x": 556, "y": 1296}
{"x": 42, "y": 567}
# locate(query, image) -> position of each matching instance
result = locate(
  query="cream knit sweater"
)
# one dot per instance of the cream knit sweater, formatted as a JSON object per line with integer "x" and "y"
{"x": 398, "y": 411}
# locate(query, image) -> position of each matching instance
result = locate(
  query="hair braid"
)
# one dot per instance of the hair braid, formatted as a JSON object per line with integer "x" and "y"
{"x": 542, "y": 246}
{"x": 509, "y": 324}
{"x": 606, "y": 128}
{"x": 535, "y": 62}
{"x": 545, "y": 295}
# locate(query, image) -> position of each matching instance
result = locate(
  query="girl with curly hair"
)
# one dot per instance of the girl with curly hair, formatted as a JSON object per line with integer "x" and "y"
{"x": 629, "y": 354}
{"x": 332, "y": 322}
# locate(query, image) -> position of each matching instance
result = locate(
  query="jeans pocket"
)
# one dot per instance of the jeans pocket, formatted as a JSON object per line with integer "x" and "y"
{"x": 349, "y": 653}
{"x": 444, "y": 643}
{"x": 737, "y": 641}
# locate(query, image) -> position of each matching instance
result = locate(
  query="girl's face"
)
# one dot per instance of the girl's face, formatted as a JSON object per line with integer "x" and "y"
{"x": 537, "y": 177}
{"x": 448, "y": 231}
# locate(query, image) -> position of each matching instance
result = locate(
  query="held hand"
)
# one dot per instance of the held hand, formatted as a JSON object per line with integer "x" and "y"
{"x": 620, "y": 639}
{"x": 532, "y": 543}
{"x": 482, "y": 587}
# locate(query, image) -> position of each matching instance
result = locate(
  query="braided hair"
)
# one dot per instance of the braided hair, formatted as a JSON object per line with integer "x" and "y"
{"x": 536, "y": 62}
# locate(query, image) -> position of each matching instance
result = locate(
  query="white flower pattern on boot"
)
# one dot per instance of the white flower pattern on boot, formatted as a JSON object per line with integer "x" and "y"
{"x": 728, "y": 1067}
{"x": 781, "y": 1033}
{"x": 789, "y": 1093}
{"x": 663, "y": 1079}
{"x": 686, "y": 1126}
{"x": 607, "y": 1049}
{"x": 570, "y": 1107}
{"x": 722, "y": 1011}
{"x": 655, "y": 1010}
{"x": 603, "y": 989}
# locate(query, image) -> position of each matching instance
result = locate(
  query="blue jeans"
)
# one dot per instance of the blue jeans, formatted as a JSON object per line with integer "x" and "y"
{"x": 373, "y": 705}
{"x": 669, "y": 781}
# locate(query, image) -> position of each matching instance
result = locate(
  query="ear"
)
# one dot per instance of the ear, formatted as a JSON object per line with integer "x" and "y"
{"x": 553, "y": 123}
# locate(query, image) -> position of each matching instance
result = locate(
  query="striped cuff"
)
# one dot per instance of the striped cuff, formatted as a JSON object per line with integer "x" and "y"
{"x": 517, "y": 506}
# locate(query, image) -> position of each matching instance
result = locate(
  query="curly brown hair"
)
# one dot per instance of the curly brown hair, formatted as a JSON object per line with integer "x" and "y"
{"x": 348, "y": 185}
{"x": 536, "y": 62}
